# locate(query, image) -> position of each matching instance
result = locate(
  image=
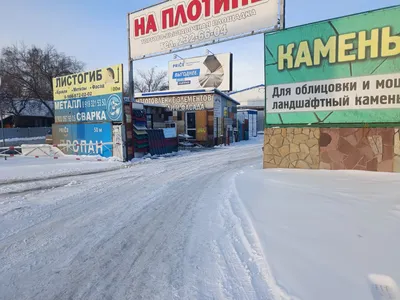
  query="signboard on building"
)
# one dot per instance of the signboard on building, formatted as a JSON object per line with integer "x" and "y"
{"x": 217, "y": 106}
{"x": 179, "y": 24}
{"x": 84, "y": 139}
{"x": 345, "y": 70}
{"x": 212, "y": 71}
{"x": 181, "y": 102}
{"x": 94, "y": 96}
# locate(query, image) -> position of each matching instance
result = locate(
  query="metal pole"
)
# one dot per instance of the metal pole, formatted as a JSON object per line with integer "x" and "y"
{"x": 2, "y": 127}
{"x": 131, "y": 83}
{"x": 283, "y": 15}
{"x": 1, "y": 119}
{"x": 130, "y": 60}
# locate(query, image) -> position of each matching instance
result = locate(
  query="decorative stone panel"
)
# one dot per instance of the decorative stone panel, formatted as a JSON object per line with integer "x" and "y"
{"x": 291, "y": 148}
{"x": 368, "y": 149}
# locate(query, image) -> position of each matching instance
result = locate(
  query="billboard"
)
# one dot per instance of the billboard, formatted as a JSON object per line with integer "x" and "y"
{"x": 84, "y": 139}
{"x": 340, "y": 71}
{"x": 93, "y": 96}
{"x": 181, "y": 102}
{"x": 211, "y": 71}
{"x": 179, "y": 24}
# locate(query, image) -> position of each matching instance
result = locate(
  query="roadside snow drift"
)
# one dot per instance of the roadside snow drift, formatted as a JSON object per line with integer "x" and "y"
{"x": 325, "y": 232}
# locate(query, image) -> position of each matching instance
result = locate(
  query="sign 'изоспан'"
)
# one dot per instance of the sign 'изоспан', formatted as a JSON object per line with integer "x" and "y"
{"x": 179, "y": 24}
{"x": 345, "y": 70}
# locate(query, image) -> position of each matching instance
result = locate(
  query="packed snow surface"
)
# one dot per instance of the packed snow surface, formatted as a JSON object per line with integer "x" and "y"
{"x": 209, "y": 225}
{"x": 25, "y": 139}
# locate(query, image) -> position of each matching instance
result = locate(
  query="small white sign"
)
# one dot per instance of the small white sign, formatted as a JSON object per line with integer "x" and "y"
{"x": 217, "y": 106}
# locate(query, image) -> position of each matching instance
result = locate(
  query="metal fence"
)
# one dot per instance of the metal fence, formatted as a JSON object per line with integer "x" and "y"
{"x": 260, "y": 120}
{"x": 10, "y": 133}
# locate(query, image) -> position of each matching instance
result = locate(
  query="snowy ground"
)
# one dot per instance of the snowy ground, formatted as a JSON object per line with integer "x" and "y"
{"x": 209, "y": 225}
{"x": 25, "y": 140}
{"x": 324, "y": 232}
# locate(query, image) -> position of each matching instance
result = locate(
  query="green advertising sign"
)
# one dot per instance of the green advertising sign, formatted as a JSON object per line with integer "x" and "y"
{"x": 342, "y": 72}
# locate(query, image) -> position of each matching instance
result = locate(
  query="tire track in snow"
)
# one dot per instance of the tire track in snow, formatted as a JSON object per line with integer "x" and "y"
{"x": 161, "y": 230}
{"x": 258, "y": 263}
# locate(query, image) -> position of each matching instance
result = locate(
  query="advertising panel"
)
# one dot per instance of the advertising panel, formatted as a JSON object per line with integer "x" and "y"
{"x": 183, "y": 102}
{"x": 84, "y": 139}
{"x": 345, "y": 70}
{"x": 179, "y": 24}
{"x": 217, "y": 106}
{"x": 93, "y": 96}
{"x": 212, "y": 71}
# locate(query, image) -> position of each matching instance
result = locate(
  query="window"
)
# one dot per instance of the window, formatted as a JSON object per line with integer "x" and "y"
{"x": 180, "y": 116}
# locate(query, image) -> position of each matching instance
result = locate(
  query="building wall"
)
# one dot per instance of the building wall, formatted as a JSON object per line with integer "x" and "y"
{"x": 369, "y": 149}
{"x": 252, "y": 97}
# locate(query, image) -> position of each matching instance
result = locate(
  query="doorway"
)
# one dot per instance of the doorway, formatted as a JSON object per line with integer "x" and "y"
{"x": 191, "y": 123}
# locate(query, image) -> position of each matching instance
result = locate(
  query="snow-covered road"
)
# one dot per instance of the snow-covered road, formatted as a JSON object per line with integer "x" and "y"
{"x": 165, "y": 229}
{"x": 209, "y": 225}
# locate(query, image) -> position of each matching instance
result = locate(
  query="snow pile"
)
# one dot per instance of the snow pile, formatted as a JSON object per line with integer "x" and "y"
{"x": 324, "y": 232}
{"x": 258, "y": 140}
{"x": 383, "y": 287}
{"x": 149, "y": 157}
{"x": 20, "y": 168}
{"x": 22, "y": 139}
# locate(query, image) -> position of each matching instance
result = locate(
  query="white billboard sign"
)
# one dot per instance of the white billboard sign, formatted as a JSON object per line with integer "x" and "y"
{"x": 364, "y": 92}
{"x": 179, "y": 24}
{"x": 212, "y": 71}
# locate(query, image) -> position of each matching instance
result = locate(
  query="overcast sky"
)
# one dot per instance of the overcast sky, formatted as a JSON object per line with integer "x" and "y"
{"x": 95, "y": 31}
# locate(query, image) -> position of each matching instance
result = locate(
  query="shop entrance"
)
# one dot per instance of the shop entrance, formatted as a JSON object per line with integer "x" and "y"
{"x": 190, "y": 121}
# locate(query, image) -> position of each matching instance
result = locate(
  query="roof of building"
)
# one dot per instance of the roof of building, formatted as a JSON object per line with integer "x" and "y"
{"x": 246, "y": 109}
{"x": 187, "y": 92}
{"x": 247, "y": 89}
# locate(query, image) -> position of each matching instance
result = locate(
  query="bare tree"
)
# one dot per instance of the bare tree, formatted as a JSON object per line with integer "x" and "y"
{"x": 150, "y": 81}
{"x": 29, "y": 72}
{"x": 5, "y": 103}
{"x": 11, "y": 100}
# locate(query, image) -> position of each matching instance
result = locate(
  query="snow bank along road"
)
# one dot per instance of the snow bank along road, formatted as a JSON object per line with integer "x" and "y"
{"x": 166, "y": 229}
{"x": 211, "y": 225}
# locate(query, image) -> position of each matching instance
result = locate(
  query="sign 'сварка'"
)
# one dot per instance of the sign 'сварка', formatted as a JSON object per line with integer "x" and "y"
{"x": 179, "y": 24}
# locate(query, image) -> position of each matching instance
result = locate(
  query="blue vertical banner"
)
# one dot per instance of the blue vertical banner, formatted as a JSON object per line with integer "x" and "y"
{"x": 84, "y": 138}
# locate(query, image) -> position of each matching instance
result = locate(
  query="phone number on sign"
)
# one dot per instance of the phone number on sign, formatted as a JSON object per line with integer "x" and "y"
{"x": 78, "y": 95}
{"x": 200, "y": 35}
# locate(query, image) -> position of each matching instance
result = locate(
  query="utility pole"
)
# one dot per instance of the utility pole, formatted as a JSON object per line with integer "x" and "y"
{"x": 1, "y": 117}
